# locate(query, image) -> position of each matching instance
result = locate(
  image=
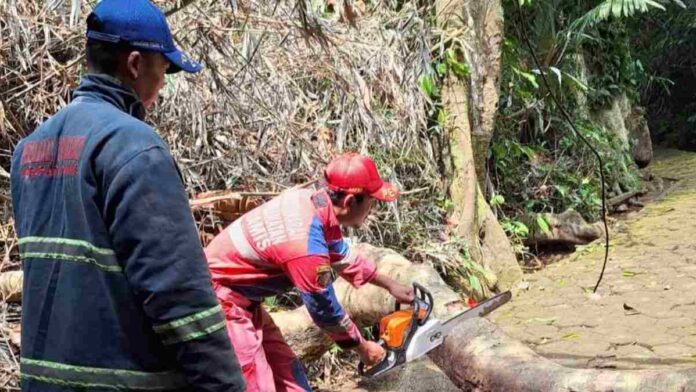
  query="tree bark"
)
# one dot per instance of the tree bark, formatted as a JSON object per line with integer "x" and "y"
{"x": 471, "y": 106}
{"x": 477, "y": 356}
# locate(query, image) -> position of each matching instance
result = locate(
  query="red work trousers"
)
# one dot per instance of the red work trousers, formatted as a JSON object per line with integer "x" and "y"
{"x": 268, "y": 363}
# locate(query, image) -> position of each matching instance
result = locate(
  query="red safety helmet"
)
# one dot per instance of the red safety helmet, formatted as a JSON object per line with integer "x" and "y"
{"x": 357, "y": 174}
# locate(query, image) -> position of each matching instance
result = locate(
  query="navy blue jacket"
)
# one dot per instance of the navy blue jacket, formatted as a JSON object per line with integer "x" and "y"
{"x": 117, "y": 292}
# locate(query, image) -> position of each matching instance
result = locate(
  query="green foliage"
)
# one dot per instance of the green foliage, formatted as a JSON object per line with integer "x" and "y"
{"x": 335, "y": 349}
{"x": 613, "y": 67}
{"x": 529, "y": 77}
{"x": 517, "y": 232}
{"x": 497, "y": 201}
{"x": 429, "y": 87}
{"x": 446, "y": 62}
{"x": 270, "y": 303}
{"x": 450, "y": 63}
{"x": 552, "y": 177}
{"x": 542, "y": 224}
{"x": 515, "y": 228}
{"x": 536, "y": 161}
{"x": 368, "y": 333}
{"x": 620, "y": 9}
{"x": 665, "y": 43}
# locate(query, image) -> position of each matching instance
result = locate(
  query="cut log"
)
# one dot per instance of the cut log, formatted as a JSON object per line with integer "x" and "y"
{"x": 616, "y": 200}
{"x": 568, "y": 228}
{"x": 368, "y": 304}
{"x": 479, "y": 357}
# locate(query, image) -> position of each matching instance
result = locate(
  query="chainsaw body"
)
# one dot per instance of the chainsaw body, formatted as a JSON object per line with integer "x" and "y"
{"x": 408, "y": 334}
{"x": 398, "y": 329}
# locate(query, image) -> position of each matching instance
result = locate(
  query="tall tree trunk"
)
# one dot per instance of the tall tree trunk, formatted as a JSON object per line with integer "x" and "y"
{"x": 471, "y": 106}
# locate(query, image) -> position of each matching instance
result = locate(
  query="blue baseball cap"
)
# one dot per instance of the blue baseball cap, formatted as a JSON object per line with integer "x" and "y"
{"x": 140, "y": 25}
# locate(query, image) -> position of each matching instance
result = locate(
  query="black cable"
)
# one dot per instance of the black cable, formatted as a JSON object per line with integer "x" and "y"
{"x": 523, "y": 26}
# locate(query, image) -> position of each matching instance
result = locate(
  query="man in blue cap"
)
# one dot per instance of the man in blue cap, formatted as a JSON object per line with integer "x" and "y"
{"x": 117, "y": 293}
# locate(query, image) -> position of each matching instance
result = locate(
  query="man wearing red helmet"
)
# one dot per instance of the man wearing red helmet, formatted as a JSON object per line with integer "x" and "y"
{"x": 291, "y": 241}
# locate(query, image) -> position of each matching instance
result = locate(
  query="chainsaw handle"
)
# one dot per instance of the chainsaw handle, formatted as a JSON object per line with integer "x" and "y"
{"x": 389, "y": 361}
{"x": 422, "y": 294}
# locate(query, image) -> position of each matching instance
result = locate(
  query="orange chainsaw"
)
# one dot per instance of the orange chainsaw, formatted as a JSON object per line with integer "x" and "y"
{"x": 408, "y": 334}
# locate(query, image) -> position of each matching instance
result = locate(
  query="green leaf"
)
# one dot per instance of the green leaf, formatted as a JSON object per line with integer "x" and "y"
{"x": 427, "y": 85}
{"x": 528, "y": 151}
{"x": 616, "y": 9}
{"x": 628, "y": 274}
{"x": 543, "y": 224}
{"x": 441, "y": 68}
{"x": 497, "y": 200}
{"x": 270, "y": 302}
{"x": 522, "y": 229}
{"x": 528, "y": 76}
{"x": 540, "y": 320}
{"x": 571, "y": 336}
{"x": 562, "y": 190}
{"x": 335, "y": 349}
{"x": 460, "y": 70}
{"x": 474, "y": 282}
{"x": 441, "y": 118}
{"x": 575, "y": 81}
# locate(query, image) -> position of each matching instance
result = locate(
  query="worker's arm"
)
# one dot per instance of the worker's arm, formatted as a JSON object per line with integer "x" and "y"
{"x": 352, "y": 265}
{"x": 154, "y": 236}
{"x": 358, "y": 269}
{"x": 313, "y": 276}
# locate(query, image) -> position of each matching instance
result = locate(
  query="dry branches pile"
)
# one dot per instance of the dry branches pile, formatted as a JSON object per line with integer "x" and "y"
{"x": 275, "y": 103}
{"x": 279, "y": 96}
{"x": 39, "y": 59}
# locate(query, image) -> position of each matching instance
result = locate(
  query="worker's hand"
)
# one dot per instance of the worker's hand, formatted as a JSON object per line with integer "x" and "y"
{"x": 401, "y": 293}
{"x": 370, "y": 353}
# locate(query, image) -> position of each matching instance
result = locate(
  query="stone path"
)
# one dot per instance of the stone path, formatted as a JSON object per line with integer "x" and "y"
{"x": 645, "y": 314}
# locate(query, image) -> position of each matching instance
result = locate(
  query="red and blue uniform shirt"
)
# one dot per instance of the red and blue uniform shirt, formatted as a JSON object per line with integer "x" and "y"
{"x": 291, "y": 241}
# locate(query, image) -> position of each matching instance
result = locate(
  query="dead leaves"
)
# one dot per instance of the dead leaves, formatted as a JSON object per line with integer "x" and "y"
{"x": 11, "y": 286}
{"x": 630, "y": 310}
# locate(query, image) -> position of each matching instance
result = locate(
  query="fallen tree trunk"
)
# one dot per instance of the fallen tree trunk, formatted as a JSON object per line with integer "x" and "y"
{"x": 614, "y": 201}
{"x": 479, "y": 357}
{"x": 568, "y": 228}
{"x": 368, "y": 304}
